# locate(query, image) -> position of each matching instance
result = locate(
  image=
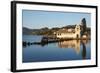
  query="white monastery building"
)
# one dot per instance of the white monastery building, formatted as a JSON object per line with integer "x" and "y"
{"x": 68, "y": 32}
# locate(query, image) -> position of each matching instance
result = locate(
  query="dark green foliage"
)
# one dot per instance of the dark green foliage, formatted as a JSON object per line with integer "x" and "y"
{"x": 84, "y": 27}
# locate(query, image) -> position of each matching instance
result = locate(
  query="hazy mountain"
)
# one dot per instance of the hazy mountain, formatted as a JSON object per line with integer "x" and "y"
{"x": 27, "y": 31}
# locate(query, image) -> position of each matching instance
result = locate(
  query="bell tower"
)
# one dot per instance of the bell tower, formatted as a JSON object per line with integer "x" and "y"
{"x": 77, "y": 31}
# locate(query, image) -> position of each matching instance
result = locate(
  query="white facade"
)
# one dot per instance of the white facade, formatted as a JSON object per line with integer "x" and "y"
{"x": 69, "y": 33}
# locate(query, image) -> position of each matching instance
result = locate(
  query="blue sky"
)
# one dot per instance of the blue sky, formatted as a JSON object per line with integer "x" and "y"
{"x": 39, "y": 19}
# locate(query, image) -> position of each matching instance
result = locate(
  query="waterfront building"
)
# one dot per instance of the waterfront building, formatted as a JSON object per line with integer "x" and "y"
{"x": 68, "y": 32}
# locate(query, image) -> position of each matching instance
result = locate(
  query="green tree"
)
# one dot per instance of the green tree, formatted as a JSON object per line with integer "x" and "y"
{"x": 84, "y": 27}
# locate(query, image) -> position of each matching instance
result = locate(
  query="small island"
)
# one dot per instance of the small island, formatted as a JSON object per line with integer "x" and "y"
{"x": 56, "y": 34}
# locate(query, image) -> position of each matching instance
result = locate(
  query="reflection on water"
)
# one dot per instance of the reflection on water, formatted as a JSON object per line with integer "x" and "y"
{"x": 75, "y": 44}
{"x": 83, "y": 50}
{"x": 57, "y": 51}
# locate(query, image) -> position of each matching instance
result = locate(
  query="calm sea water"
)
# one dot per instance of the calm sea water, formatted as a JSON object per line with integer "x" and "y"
{"x": 60, "y": 51}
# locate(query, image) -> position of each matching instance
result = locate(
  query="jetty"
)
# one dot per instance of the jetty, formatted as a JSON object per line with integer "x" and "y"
{"x": 51, "y": 39}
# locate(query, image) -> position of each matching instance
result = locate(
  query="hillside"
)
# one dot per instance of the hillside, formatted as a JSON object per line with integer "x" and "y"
{"x": 47, "y": 31}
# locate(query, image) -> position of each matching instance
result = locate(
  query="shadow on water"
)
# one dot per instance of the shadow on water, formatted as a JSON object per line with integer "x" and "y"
{"x": 83, "y": 50}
